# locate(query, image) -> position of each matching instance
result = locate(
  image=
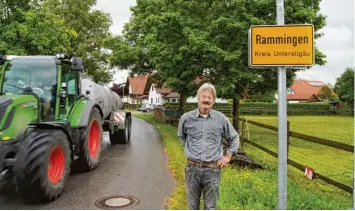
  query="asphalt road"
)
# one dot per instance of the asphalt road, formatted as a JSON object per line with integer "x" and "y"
{"x": 137, "y": 169}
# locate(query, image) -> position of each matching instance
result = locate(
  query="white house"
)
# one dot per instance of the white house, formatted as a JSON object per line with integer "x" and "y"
{"x": 194, "y": 100}
{"x": 158, "y": 96}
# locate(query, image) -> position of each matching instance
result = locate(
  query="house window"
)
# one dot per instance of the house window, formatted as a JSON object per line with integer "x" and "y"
{"x": 152, "y": 88}
{"x": 151, "y": 100}
{"x": 290, "y": 91}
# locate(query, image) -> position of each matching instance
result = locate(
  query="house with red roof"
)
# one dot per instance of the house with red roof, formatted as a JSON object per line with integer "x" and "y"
{"x": 159, "y": 96}
{"x": 138, "y": 89}
{"x": 304, "y": 91}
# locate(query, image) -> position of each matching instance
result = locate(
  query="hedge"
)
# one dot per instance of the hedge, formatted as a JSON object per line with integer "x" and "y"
{"x": 255, "y": 108}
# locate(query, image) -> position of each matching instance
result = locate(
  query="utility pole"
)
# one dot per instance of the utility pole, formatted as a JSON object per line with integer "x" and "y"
{"x": 282, "y": 122}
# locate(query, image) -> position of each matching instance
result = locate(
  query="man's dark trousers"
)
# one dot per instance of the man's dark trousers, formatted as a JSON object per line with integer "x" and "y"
{"x": 204, "y": 180}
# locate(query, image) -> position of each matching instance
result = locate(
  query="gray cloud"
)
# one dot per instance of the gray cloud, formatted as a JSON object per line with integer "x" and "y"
{"x": 337, "y": 43}
{"x": 119, "y": 11}
{"x": 339, "y": 12}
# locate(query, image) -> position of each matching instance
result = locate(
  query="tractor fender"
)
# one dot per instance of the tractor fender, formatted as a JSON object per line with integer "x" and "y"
{"x": 65, "y": 127}
{"x": 85, "y": 113}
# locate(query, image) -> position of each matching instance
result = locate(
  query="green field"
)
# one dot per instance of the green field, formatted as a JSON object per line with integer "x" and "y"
{"x": 333, "y": 163}
{"x": 243, "y": 188}
{"x": 335, "y": 128}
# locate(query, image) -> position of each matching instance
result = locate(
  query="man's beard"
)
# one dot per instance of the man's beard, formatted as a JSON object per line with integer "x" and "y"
{"x": 205, "y": 105}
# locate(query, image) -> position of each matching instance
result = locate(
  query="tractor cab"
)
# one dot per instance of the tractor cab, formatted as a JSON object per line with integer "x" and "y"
{"x": 52, "y": 81}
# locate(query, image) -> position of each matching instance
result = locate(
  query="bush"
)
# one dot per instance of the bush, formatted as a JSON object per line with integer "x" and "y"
{"x": 261, "y": 108}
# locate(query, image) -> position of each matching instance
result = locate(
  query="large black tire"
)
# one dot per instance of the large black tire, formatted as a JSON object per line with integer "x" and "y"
{"x": 121, "y": 136}
{"x": 90, "y": 144}
{"x": 42, "y": 165}
{"x": 129, "y": 127}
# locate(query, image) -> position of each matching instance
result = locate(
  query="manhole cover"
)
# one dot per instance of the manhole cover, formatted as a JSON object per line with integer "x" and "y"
{"x": 116, "y": 202}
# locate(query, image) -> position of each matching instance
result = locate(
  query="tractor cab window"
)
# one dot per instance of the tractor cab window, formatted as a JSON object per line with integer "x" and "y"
{"x": 70, "y": 78}
{"x": 35, "y": 76}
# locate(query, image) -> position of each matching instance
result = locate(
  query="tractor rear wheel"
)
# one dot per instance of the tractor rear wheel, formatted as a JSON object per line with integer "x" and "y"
{"x": 90, "y": 144}
{"x": 121, "y": 136}
{"x": 42, "y": 165}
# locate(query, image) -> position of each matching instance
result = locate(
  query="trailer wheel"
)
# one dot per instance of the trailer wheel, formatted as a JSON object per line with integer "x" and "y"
{"x": 42, "y": 165}
{"x": 90, "y": 144}
{"x": 121, "y": 136}
{"x": 129, "y": 127}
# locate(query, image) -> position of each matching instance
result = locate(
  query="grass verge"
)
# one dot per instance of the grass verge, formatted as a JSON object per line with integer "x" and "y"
{"x": 243, "y": 188}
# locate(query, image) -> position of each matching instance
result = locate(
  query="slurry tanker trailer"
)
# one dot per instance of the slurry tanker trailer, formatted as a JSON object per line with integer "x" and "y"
{"x": 51, "y": 121}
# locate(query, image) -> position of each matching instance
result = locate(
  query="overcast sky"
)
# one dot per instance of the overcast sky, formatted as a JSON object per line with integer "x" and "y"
{"x": 337, "y": 43}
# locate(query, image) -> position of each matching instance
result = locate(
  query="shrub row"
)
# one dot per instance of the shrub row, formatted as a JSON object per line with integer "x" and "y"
{"x": 255, "y": 108}
{"x": 259, "y": 105}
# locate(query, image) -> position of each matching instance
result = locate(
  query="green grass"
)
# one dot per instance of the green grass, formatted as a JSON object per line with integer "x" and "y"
{"x": 336, "y": 128}
{"x": 129, "y": 109}
{"x": 246, "y": 188}
{"x": 333, "y": 163}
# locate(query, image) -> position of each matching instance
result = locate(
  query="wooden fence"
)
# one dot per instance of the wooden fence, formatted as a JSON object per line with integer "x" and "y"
{"x": 131, "y": 106}
{"x": 172, "y": 117}
{"x": 301, "y": 167}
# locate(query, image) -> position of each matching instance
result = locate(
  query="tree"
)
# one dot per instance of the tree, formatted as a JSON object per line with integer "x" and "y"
{"x": 185, "y": 40}
{"x": 120, "y": 89}
{"x": 56, "y": 26}
{"x": 327, "y": 94}
{"x": 261, "y": 97}
{"x": 164, "y": 36}
{"x": 231, "y": 21}
{"x": 36, "y": 32}
{"x": 344, "y": 87}
{"x": 92, "y": 31}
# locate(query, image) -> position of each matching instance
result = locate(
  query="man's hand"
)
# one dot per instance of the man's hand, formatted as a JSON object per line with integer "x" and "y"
{"x": 224, "y": 161}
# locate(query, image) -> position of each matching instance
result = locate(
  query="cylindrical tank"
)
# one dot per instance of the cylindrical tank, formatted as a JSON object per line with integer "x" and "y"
{"x": 103, "y": 96}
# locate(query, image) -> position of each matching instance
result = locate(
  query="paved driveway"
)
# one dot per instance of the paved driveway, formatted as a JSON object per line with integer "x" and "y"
{"x": 137, "y": 169}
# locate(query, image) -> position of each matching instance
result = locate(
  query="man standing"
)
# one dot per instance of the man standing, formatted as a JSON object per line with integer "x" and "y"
{"x": 201, "y": 133}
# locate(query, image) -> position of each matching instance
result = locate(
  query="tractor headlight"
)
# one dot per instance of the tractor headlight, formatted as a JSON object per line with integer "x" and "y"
{"x": 60, "y": 56}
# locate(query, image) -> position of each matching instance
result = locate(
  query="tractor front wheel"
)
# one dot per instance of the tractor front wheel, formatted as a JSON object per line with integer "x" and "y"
{"x": 42, "y": 165}
{"x": 90, "y": 144}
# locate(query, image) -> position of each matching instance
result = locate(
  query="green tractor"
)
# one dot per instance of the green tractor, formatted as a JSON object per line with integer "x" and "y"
{"x": 51, "y": 121}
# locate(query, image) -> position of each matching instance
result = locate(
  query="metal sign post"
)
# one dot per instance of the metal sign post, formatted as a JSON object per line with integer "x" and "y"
{"x": 282, "y": 126}
{"x": 281, "y": 46}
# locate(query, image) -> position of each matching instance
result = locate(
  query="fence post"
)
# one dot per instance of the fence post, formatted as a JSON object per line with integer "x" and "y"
{"x": 243, "y": 135}
{"x": 288, "y": 136}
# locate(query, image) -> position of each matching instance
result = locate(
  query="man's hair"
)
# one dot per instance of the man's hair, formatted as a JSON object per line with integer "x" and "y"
{"x": 207, "y": 87}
